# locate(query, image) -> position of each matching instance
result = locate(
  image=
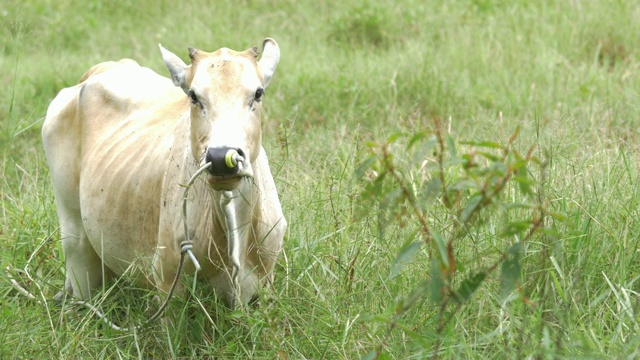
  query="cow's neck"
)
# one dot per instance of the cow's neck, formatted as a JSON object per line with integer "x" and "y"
{"x": 207, "y": 219}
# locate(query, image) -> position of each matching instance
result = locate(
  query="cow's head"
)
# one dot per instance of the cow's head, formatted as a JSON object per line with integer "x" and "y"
{"x": 226, "y": 89}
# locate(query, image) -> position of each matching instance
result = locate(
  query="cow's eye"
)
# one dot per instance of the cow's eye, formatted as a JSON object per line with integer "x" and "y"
{"x": 259, "y": 94}
{"x": 193, "y": 97}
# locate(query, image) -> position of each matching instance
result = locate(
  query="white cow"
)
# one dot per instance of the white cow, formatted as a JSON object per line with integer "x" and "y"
{"x": 121, "y": 144}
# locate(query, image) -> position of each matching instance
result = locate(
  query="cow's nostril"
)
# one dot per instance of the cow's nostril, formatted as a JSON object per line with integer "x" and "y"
{"x": 241, "y": 153}
{"x": 232, "y": 157}
{"x": 224, "y": 160}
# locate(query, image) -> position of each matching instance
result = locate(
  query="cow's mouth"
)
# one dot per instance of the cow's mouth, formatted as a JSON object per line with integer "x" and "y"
{"x": 224, "y": 182}
{"x": 225, "y": 167}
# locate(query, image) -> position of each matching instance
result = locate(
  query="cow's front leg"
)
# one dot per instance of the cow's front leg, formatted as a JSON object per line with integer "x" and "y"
{"x": 165, "y": 270}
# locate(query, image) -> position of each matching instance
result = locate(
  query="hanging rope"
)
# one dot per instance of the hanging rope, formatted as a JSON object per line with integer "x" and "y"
{"x": 185, "y": 249}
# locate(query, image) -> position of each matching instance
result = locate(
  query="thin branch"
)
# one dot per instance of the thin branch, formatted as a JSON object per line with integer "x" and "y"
{"x": 408, "y": 195}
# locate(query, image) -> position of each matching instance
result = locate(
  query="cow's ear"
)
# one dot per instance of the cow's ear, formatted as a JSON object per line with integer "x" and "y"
{"x": 177, "y": 68}
{"x": 269, "y": 60}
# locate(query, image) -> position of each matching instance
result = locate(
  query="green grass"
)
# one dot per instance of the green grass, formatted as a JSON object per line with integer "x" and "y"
{"x": 353, "y": 73}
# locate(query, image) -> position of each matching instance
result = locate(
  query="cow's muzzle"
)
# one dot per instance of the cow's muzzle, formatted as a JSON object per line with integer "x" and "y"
{"x": 225, "y": 161}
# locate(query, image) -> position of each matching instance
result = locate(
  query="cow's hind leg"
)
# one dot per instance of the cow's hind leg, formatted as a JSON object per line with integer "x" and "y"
{"x": 83, "y": 265}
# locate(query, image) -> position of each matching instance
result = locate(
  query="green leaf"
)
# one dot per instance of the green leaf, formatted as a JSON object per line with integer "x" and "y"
{"x": 442, "y": 248}
{"x": 433, "y": 187}
{"x": 371, "y": 355}
{"x": 524, "y": 181}
{"x": 464, "y": 184}
{"x": 394, "y": 137}
{"x": 415, "y": 138}
{"x": 556, "y": 215}
{"x": 469, "y": 286}
{"x": 377, "y": 318}
{"x": 519, "y": 165}
{"x": 516, "y": 227}
{"x": 237, "y": 314}
{"x": 365, "y": 165}
{"x": 498, "y": 168}
{"x": 376, "y": 187}
{"x": 487, "y": 144}
{"x": 405, "y": 256}
{"x": 523, "y": 177}
{"x": 490, "y": 156}
{"x": 197, "y": 328}
{"x": 418, "y": 337}
{"x": 559, "y": 288}
{"x": 452, "y": 147}
{"x": 535, "y": 160}
{"x": 437, "y": 282}
{"x": 510, "y": 275}
{"x": 390, "y": 199}
{"x": 552, "y": 233}
{"x": 416, "y": 294}
{"x": 518, "y": 205}
{"x": 423, "y": 150}
{"x": 470, "y": 207}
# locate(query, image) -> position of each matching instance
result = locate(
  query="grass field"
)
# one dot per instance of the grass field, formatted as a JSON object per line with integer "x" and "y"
{"x": 557, "y": 247}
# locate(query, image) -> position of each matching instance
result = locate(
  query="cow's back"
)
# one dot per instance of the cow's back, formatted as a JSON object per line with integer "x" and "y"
{"x": 107, "y": 140}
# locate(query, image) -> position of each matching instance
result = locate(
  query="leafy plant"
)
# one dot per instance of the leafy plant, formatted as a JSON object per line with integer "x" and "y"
{"x": 449, "y": 190}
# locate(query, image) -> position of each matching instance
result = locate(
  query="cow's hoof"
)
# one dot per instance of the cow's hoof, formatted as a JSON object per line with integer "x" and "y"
{"x": 153, "y": 305}
{"x": 61, "y": 296}
{"x": 254, "y": 302}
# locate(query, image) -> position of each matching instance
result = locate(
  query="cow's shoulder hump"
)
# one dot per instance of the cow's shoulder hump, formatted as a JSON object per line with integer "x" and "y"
{"x": 126, "y": 83}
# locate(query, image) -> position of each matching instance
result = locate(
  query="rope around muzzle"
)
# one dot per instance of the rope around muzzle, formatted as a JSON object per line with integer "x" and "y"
{"x": 232, "y": 159}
